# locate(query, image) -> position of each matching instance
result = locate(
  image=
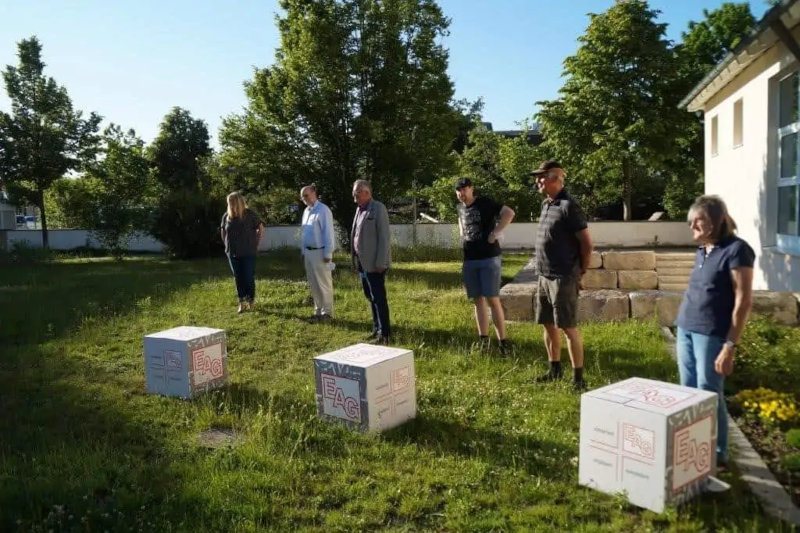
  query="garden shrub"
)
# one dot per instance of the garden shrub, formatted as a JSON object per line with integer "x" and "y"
{"x": 768, "y": 356}
{"x": 791, "y": 462}
{"x": 793, "y": 438}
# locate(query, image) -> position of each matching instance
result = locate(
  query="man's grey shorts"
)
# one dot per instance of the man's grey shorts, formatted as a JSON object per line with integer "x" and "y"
{"x": 557, "y": 302}
{"x": 482, "y": 277}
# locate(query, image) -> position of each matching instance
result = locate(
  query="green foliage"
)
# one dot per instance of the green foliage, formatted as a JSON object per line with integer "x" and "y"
{"x": 123, "y": 195}
{"x": 190, "y": 205}
{"x": 498, "y": 167}
{"x": 612, "y": 124}
{"x": 43, "y": 138}
{"x": 793, "y": 438}
{"x": 359, "y": 90}
{"x": 791, "y": 462}
{"x": 703, "y": 45}
{"x": 187, "y": 221}
{"x": 768, "y": 356}
{"x": 70, "y": 203}
{"x": 279, "y": 205}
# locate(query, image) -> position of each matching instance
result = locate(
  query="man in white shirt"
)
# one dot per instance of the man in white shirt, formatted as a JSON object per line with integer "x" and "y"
{"x": 317, "y": 245}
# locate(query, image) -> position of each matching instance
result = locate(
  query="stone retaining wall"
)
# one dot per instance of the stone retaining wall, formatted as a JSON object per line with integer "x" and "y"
{"x": 612, "y": 304}
{"x": 622, "y": 270}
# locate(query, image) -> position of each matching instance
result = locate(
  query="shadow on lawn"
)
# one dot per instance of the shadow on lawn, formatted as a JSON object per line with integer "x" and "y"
{"x": 57, "y": 297}
{"x": 66, "y": 450}
{"x": 534, "y": 456}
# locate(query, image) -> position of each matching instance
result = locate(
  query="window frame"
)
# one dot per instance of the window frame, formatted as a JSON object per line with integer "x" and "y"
{"x": 785, "y": 242}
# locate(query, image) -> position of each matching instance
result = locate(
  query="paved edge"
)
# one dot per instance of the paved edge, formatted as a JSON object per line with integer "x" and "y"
{"x": 753, "y": 469}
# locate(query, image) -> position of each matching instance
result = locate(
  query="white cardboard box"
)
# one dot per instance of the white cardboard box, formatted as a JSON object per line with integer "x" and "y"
{"x": 366, "y": 387}
{"x": 654, "y": 441}
{"x": 186, "y": 360}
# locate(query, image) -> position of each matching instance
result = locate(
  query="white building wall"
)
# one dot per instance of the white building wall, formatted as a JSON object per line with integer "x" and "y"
{"x": 745, "y": 176}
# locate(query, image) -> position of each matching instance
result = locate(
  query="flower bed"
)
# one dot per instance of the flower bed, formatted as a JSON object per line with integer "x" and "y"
{"x": 763, "y": 398}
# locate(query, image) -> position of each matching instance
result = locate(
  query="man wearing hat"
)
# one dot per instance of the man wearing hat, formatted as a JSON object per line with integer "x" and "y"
{"x": 563, "y": 250}
{"x": 481, "y": 221}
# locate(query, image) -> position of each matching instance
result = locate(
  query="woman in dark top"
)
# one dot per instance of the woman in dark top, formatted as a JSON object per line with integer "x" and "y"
{"x": 241, "y": 231}
{"x": 715, "y": 307}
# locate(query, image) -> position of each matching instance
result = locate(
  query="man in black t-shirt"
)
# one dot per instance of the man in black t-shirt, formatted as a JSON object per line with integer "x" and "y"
{"x": 563, "y": 250}
{"x": 480, "y": 222}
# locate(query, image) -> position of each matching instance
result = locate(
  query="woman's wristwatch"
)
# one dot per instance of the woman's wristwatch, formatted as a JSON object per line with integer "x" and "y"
{"x": 730, "y": 344}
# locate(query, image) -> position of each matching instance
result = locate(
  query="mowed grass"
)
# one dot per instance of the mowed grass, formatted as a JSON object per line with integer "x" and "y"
{"x": 83, "y": 447}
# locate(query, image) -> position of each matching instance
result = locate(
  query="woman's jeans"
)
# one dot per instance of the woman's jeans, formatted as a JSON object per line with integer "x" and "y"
{"x": 696, "y": 356}
{"x": 244, "y": 274}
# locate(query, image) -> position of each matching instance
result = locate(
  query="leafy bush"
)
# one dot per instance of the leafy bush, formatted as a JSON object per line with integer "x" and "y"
{"x": 793, "y": 438}
{"x": 791, "y": 462}
{"x": 768, "y": 356}
{"x": 768, "y": 406}
{"x": 187, "y": 222}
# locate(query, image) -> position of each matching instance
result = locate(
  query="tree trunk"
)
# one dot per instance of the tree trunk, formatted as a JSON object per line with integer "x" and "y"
{"x": 43, "y": 215}
{"x": 627, "y": 190}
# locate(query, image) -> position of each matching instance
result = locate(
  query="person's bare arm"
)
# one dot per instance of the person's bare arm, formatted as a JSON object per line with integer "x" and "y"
{"x": 506, "y": 216}
{"x": 742, "y": 278}
{"x": 586, "y": 246}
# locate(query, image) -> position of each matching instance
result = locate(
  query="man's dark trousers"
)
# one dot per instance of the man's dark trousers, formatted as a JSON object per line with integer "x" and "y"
{"x": 374, "y": 285}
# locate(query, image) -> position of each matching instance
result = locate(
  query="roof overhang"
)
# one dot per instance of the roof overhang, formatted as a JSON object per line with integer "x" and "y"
{"x": 774, "y": 27}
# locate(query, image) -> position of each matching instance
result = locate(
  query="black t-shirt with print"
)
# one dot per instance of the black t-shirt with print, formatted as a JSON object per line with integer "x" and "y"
{"x": 477, "y": 221}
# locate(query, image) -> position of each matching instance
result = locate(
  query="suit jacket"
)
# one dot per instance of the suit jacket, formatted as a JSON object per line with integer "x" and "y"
{"x": 374, "y": 239}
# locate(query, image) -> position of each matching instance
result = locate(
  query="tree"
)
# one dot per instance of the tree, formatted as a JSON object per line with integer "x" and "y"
{"x": 121, "y": 188}
{"x": 189, "y": 208}
{"x": 703, "y": 45}
{"x": 43, "y": 138}
{"x": 359, "y": 89}
{"x": 615, "y": 119}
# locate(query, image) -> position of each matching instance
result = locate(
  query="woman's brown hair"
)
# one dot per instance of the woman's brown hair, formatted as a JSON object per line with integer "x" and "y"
{"x": 722, "y": 225}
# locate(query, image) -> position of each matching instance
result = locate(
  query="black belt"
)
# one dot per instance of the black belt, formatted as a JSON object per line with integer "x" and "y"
{"x": 313, "y": 248}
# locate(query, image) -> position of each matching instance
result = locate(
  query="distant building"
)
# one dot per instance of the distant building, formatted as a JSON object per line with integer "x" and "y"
{"x": 534, "y": 134}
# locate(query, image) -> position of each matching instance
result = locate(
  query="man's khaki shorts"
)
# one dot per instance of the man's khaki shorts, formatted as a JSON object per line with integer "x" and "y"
{"x": 557, "y": 302}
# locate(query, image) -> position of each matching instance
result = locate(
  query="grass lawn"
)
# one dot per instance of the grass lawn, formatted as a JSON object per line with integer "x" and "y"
{"x": 84, "y": 448}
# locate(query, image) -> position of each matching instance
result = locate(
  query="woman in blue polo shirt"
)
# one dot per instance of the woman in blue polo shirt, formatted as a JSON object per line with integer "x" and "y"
{"x": 715, "y": 307}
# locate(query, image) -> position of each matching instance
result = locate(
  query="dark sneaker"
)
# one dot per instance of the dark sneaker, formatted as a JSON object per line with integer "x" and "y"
{"x": 579, "y": 385}
{"x": 372, "y": 337}
{"x": 548, "y": 377}
{"x": 505, "y": 347}
{"x": 313, "y": 319}
{"x": 325, "y": 318}
{"x": 382, "y": 341}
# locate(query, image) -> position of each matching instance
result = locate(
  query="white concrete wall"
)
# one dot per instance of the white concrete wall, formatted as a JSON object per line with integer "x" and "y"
{"x": 516, "y": 236}
{"x": 746, "y": 176}
{"x": 68, "y": 239}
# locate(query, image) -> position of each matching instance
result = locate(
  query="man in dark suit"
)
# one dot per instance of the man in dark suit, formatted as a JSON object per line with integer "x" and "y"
{"x": 371, "y": 253}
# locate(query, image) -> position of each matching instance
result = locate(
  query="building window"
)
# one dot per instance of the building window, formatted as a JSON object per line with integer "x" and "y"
{"x": 788, "y": 230}
{"x": 738, "y": 116}
{"x": 714, "y": 136}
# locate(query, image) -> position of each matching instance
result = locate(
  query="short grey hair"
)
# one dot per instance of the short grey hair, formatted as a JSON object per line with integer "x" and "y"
{"x": 363, "y": 185}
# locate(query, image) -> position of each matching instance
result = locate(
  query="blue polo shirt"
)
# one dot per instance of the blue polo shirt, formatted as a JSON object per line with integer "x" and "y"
{"x": 707, "y": 305}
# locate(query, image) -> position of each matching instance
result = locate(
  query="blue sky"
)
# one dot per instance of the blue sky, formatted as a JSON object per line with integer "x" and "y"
{"x": 133, "y": 61}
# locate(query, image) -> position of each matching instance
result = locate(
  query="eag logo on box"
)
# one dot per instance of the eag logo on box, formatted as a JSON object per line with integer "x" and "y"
{"x": 341, "y": 397}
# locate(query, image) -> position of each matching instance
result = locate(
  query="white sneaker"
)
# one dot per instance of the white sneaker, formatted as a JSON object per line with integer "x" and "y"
{"x": 714, "y": 484}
